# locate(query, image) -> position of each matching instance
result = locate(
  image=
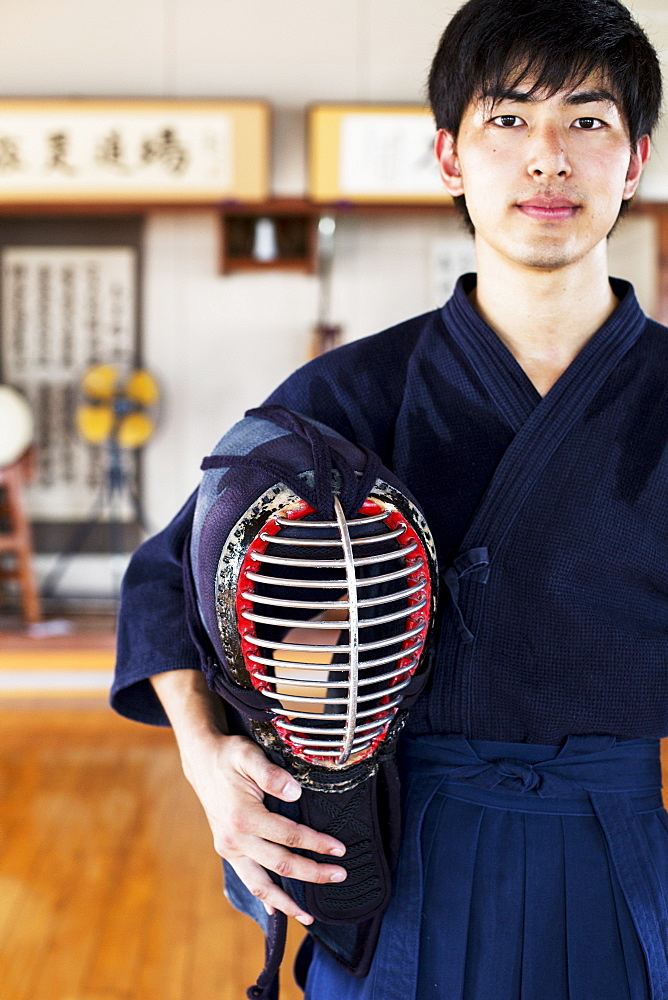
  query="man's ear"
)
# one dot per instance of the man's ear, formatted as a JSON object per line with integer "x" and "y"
{"x": 639, "y": 158}
{"x": 448, "y": 162}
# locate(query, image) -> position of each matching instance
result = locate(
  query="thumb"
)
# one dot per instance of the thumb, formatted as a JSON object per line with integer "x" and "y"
{"x": 271, "y": 779}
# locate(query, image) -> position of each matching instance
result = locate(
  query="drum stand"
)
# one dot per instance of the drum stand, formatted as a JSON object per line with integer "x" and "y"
{"x": 17, "y": 540}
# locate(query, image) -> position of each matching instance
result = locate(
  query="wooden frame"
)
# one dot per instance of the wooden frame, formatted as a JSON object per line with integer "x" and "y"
{"x": 132, "y": 152}
{"x": 377, "y": 153}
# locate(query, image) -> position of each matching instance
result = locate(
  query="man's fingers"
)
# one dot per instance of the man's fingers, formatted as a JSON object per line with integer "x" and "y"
{"x": 265, "y": 838}
{"x": 257, "y": 821}
{"x": 285, "y": 863}
{"x": 272, "y": 896}
{"x": 268, "y": 777}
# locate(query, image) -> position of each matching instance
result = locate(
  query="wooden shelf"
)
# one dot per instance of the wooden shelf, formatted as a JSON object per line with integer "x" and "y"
{"x": 234, "y": 265}
{"x": 305, "y": 206}
{"x": 292, "y": 229}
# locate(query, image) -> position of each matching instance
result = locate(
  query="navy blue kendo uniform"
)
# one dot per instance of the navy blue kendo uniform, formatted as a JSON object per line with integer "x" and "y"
{"x": 532, "y": 784}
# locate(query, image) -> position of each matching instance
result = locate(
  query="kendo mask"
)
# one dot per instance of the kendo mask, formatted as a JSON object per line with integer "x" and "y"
{"x": 315, "y": 579}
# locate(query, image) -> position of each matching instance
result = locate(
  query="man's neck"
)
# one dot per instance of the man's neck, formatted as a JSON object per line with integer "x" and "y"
{"x": 543, "y": 317}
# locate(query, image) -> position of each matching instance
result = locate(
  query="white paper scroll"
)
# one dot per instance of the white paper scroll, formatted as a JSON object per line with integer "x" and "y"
{"x": 63, "y": 310}
{"x": 388, "y": 154}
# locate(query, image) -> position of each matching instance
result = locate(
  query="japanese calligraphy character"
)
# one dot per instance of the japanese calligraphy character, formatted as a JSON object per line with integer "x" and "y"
{"x": 10, "y": 156}
{"x": 44, "y": 325}
{"x": 110, "y": 152}
{"x": 17, "y": 313}
{"x": 58, "y": 143}
{"x": 166, "y": 149}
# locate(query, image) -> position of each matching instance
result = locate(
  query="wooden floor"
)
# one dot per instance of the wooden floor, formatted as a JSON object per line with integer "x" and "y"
{"x": 109, "y": 886}
{"x": 59, "y": 657}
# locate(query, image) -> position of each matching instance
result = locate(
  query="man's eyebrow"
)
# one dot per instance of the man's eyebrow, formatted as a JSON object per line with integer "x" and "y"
{"x": 592, "y": 97}
{"x": 516, "y": 96}
{"x": 575, "y": 98}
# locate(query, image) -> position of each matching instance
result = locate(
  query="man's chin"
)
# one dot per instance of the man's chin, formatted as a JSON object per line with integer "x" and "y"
{"x": 547, "y": 262}
{"x": 546, "y": 256}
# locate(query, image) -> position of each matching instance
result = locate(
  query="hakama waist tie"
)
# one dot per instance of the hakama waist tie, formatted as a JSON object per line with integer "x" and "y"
{"x": 615, "y": 780}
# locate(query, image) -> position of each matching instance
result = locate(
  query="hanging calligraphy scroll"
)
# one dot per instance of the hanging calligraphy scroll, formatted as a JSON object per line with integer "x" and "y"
{"x": 133, "y": 152}
{"x": 69, "y": 301}
{"x": 373, "y": 153}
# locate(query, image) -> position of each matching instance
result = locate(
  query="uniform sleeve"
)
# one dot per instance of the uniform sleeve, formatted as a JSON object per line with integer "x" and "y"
{"x": 153, "y": 634}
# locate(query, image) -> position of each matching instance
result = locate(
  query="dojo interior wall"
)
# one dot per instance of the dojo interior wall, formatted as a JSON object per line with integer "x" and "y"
{"x": 219, "y": 344}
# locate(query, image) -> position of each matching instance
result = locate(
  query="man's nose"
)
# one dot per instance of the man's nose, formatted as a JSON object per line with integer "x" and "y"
{"x": 547, "y": 153}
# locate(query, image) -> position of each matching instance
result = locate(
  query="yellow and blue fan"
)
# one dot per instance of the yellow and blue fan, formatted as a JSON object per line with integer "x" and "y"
{"x": 118, "y": 406}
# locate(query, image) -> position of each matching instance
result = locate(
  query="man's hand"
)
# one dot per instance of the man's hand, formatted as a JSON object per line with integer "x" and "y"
{"x": 231, "y": 775}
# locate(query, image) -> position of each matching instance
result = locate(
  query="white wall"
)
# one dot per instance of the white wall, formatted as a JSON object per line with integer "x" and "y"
{"x": 219, "y": 344}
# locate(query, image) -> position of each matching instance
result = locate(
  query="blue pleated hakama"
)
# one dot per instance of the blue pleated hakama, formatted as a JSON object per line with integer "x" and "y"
{"x": 527, "y": 872}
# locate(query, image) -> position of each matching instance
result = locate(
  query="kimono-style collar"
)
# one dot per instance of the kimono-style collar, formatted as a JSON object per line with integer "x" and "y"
{"x": 508, "y": 384}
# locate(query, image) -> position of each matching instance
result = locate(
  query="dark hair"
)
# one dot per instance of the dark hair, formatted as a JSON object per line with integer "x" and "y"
{"x": 491, "y": 46}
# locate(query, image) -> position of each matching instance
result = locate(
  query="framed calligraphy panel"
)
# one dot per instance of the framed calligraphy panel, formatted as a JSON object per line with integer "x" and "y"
{"x": 373, "y": 153}
{"x": 139, "y": 152}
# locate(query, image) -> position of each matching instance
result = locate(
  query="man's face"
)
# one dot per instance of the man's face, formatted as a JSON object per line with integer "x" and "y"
{"x": 543, "y": 177}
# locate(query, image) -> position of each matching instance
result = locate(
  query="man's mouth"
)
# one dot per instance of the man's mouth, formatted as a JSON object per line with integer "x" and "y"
{"x": 548, "y": 209}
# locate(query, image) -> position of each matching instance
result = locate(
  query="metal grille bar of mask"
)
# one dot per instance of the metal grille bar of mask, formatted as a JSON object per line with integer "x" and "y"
{"x": 332, "y": 619}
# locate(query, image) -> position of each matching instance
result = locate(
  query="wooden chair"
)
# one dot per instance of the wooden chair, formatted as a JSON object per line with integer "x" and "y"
{"x": 16, "y": 541}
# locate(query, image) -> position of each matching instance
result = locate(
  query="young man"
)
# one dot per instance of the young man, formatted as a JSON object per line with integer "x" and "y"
{"x": 528, "y": 418}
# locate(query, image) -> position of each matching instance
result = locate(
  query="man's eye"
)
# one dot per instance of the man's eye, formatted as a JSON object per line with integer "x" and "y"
{"x": 588, "y": 124}
{"x": 507, "y": 121}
